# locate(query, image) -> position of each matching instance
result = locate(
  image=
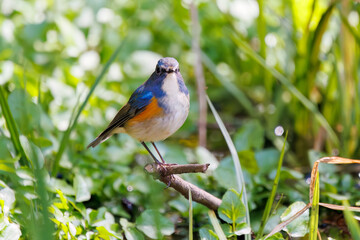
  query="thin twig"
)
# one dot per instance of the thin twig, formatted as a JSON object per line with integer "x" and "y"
{"x": 199, "y": 74}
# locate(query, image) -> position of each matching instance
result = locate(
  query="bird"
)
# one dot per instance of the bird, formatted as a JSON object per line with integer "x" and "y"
{"x": 156, "y": 109}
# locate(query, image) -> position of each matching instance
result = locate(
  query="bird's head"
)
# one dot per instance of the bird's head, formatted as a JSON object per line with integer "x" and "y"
{"x": 167, "y": 65}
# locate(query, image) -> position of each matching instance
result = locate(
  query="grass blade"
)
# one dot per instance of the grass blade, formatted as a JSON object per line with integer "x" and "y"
{"x": 239, "y": 95}
{"x": 220, "y": 233}
{"x": 314, "y": 215}
{"x": 352, "y": 224}
{"x": 11, "y": 125}
{"x": 190, "y": 217}
{"x": 239, "y": 176}
{"x": 72, "y": 124}
{"x": 306, "y": 102}
{"x": 271, "y": 198}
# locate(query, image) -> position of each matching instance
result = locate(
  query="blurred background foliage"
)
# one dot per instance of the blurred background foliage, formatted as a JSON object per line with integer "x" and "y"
{"x": 67, "y": 66}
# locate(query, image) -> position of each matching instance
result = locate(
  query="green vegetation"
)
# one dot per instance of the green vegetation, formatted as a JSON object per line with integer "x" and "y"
{"x": 67, "y": 66}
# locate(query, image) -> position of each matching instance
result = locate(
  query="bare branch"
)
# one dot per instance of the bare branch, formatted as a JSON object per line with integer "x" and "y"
{"x": 163, "y": 173}
{"x": 169, "y": 169}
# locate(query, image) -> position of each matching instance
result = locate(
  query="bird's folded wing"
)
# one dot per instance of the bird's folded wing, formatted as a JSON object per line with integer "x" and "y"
{"x": 137, "y": 103}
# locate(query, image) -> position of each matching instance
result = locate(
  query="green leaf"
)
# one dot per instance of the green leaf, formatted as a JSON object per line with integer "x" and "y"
{"x": 7, "y": 195}
{"x": 267, "y": 159}
{"x": 300, "y": 226}
{"x": 276, "y": 236}
{"x": 11, "y": 125}
{"x": 25, "y": 112}
{"x": 10, "y": 232}
{"x": 131, "y": 233}
{"x": 32, "y": 152}
{"x": 82, "y": 190}
{"x": 250, "y": 136}
{"x": 353, "y": 225}
{"x": 61, "y": 185}
{"x": 225, "y": 173}
{"x": 153, "y": 224}
{"x": 242, "y": 228}
{"x": 106, "y": 234}
{"x": 248, "y": 161}
{"x": 232, "y": 209}
{"x": 207, "y": 234}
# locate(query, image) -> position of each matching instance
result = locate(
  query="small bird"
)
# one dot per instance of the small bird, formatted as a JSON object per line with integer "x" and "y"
{"x": 155, "y": 111}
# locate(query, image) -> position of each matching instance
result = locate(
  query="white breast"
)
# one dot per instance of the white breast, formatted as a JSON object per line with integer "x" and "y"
{"x": 175, "y": 113}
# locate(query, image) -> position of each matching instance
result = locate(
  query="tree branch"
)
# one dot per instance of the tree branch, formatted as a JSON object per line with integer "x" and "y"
{"x": 169, "y": 169}
{"x": 164, "y": 173}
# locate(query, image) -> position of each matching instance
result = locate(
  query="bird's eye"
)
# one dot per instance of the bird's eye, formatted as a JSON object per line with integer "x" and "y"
{"x": 158, "y": 70}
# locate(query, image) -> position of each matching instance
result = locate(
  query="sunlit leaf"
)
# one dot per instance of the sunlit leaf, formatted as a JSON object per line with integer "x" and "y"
{"x": 300, "y": 226}
{"x": 207, "y": 234}
{"x": 82, "y": 189}
{"x": 232, "y": 210}
{"x": 153, "y": 224}
{"x": 248, "y": 161}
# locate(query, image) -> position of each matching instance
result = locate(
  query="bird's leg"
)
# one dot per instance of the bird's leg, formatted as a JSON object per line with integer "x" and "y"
{"x": 152, "y": 155}
{"x": 158, "y": 152}
{"x": 163, "y": 163}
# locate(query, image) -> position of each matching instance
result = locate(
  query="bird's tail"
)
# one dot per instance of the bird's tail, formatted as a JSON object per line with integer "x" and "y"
{"x": 99, "y": 139}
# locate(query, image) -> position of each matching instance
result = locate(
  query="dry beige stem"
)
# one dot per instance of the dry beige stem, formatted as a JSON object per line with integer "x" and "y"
{"x": 314, "y": 173}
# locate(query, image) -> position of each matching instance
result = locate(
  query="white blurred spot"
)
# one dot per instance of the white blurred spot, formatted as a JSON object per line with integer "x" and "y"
{"x": 72, "y": 51}
{"x": 77, "y": 71}
{"x": 105, "y": 15}
{"x": 245, "y": 10}
{"x": 326, "y": 42}
{"x": 359, "y": 174}
{"x": 286, "y": 96}
{"x": 271, "y": 108}
{"x": 94, "y": 35}
{"x": 130, "y": 188}
{"x": 141, "y": 63}
{"x": 7, "y": 70}
{"x": 86, "y": 18}
{"x": 223, "y": 5}
{"x": 279, "y": 131}
{"x": 7, "y": 7}
{"x": 223, "y": 69}
{"x": 353, "y": 18}
{"x": 115, "y": 73}
{"x": 72, "y": 37}
{"x": 110, "y": 113}
{"x": 271, "y": 60}
{"x": 51, "y": 36}
{"x": 270, "y": 40}
{"x": 89, "y": 60}
{"x": 7, "y": 30}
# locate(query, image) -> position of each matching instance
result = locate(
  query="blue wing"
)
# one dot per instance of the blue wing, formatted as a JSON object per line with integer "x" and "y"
{"x": 136, "y": 104}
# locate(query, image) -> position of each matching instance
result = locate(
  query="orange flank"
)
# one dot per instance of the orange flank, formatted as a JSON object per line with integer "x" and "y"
{"x": 151, "y": 110}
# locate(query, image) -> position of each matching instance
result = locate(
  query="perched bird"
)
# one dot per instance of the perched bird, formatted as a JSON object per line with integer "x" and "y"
{"x": 156, "y": 110}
